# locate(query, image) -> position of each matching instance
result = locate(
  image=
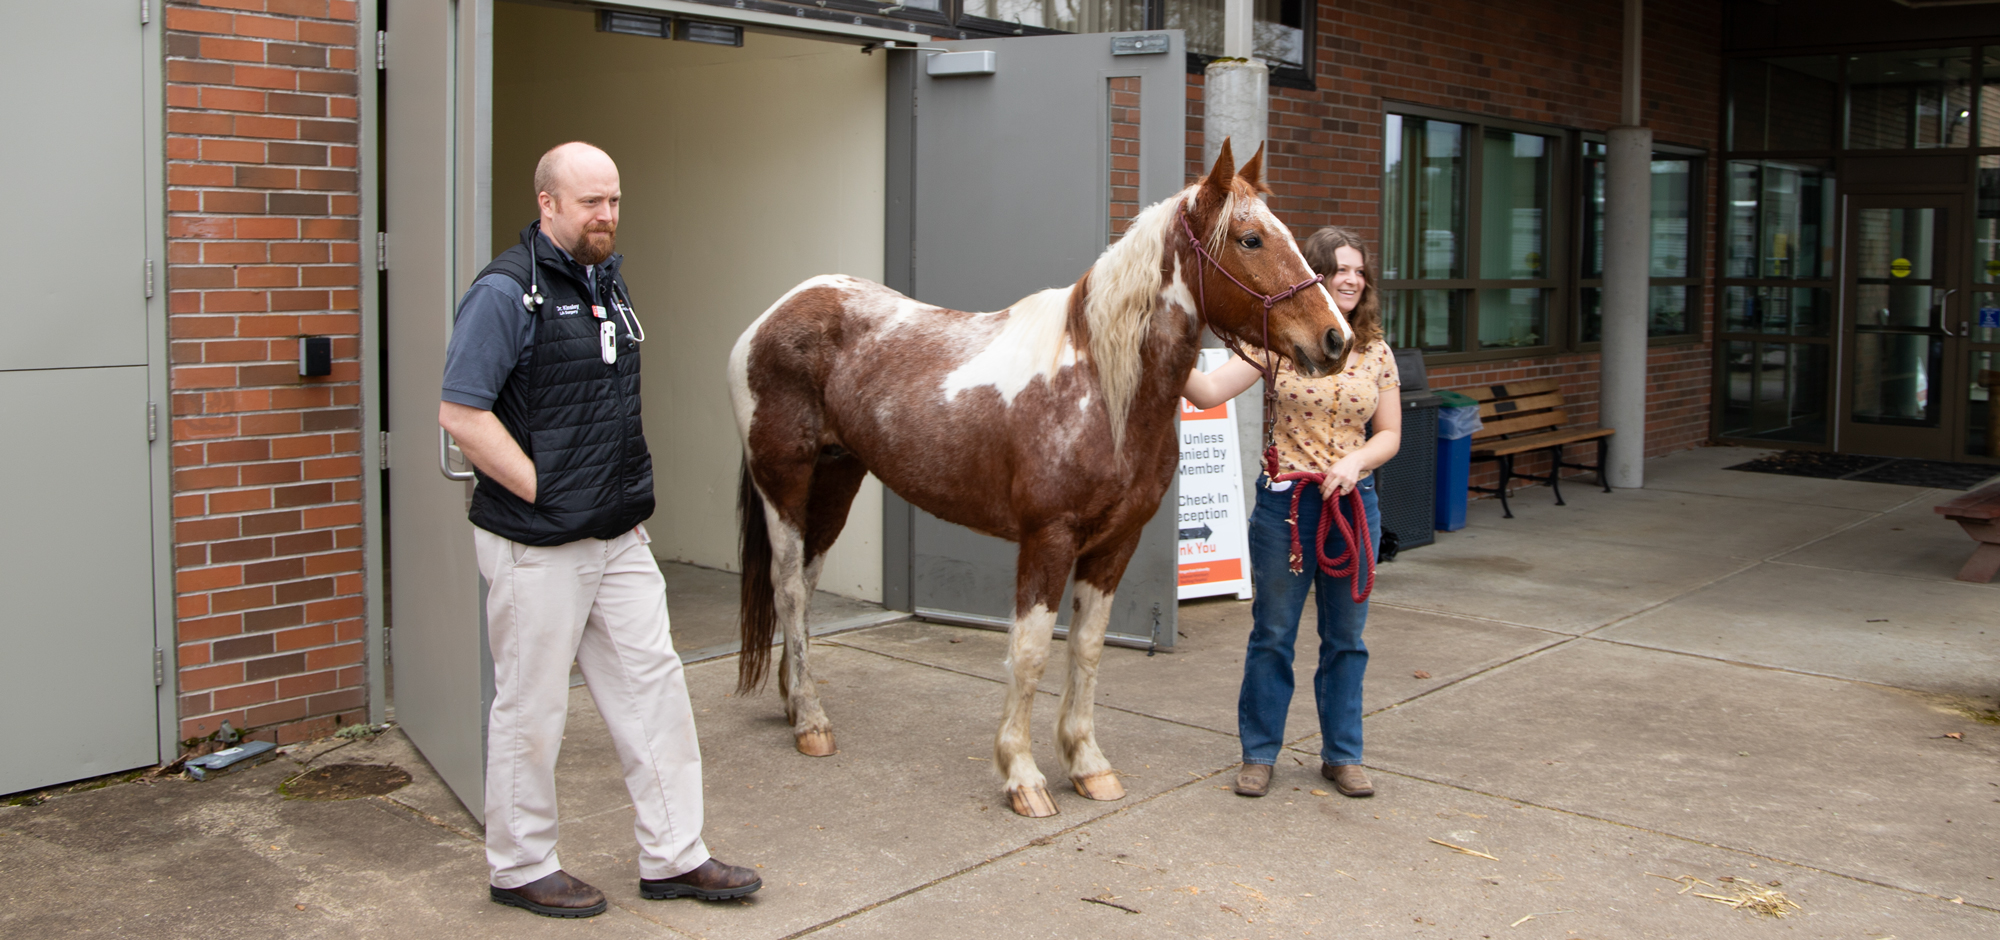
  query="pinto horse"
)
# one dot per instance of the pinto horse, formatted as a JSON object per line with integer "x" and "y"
{"x": 1049, "y": 424}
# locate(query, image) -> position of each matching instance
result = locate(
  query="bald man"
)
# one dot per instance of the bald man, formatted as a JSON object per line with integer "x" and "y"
{"x": 541, "y": 389}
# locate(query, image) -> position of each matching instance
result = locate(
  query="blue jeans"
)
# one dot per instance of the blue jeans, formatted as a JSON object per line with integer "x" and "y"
{"x": 1280, "y": 599}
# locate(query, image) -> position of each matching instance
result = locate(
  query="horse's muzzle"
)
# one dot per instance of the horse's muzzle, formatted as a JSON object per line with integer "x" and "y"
{"x": 1327, "y": 359}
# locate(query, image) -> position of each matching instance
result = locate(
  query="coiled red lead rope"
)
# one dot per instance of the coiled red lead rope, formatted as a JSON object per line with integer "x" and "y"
{"x": 1360, "y": 551}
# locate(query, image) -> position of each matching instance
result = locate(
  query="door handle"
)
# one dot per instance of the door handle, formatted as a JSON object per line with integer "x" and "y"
{"x": 445, "y": 447}
{"x": 1940, "y": 303}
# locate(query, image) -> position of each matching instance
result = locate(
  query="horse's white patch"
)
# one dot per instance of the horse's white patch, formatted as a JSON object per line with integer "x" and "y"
{"x": 1032, "y": 342}
{"x": 1177, "y": 294}
{"x": 1030, "y": 636}
{"x": 741, "y": 399}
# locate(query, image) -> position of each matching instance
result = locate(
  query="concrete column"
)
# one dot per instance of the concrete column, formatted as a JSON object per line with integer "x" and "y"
{"x": 1236, "y": 107}
{"x": 1239, "y": 18}
{"x": 1628, "y": 198}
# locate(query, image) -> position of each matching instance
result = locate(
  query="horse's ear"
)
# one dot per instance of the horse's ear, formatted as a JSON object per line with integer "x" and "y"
{"x": 1253, "y": 172}
{"x": 1225, "y": 167}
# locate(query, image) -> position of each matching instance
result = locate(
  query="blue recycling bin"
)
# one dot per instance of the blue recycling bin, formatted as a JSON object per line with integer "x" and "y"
{"x": 1458, "y": 419}
{"x": 1454, "y": 473}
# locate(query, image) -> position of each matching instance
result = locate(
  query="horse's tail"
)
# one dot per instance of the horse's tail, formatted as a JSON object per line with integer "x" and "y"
{"x": 759, "y": 609}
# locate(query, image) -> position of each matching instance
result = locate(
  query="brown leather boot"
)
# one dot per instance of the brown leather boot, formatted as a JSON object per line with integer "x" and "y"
{"x": 712, "y": 880}
{"x": 1349, "y": 779}
{"x": 553, "y": 895}
{"x": 1253, "y": 780}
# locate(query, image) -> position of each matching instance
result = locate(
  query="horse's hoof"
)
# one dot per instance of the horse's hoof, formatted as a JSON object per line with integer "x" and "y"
{"x": 1100, "y": 786}
{"x": 1034, "y": 803}
{"x": 816, "y": 743}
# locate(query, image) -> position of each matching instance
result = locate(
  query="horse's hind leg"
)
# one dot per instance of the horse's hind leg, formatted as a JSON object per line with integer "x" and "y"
{"x": 834, "y": 483}
{"x": 1097, "y": 578}
{"x": 1043, "y": 566}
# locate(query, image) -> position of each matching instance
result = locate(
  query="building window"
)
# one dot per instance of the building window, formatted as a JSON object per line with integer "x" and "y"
{"x": 1917, "y": 99}
{"x": 1282, "y": 28}
{"x": 1470, "y": 235}
{"x": 1674, "y": 273}
{"x": 1069, "y": 16}
{"x": 1776, "y": 314}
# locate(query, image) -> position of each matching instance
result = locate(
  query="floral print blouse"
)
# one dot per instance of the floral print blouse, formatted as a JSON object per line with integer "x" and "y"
{"x": 1321, "y": 420}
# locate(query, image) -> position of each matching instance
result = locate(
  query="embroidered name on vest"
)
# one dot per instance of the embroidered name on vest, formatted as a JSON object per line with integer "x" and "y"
{"x": 568, "y": 310}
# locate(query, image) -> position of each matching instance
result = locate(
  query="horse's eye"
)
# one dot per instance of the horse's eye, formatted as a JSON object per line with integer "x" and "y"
{"x": 1252, "y": 241}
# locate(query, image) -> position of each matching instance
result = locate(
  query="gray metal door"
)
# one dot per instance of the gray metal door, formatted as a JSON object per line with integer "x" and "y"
{"x": 76, "y": 563}
{"x": 1002, "y": 183}
{"x": 433, "y": 124}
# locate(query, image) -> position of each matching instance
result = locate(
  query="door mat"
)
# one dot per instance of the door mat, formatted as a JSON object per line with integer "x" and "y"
{"x": 1903, "y": 471}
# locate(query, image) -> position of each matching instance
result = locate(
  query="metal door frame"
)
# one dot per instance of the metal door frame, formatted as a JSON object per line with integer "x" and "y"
{"x": 166, "y": 633}
{"x": 464, "y": 245}
{"x": 1951, "y": 250}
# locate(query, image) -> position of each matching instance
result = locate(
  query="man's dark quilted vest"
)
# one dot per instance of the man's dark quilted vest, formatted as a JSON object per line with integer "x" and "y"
{"x": 576, "y": 417}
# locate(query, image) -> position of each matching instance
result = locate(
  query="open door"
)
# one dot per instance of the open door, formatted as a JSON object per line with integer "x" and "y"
{"x": 1012, "y": 164}
{"x": 442, "y": 672}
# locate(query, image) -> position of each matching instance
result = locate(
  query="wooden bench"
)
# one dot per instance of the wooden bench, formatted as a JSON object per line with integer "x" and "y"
{"x": 1523, "y": 418}
{"x": 1978, "y": 513}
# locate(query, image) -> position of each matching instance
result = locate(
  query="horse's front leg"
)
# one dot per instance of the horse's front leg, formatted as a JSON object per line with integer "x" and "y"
{"x": 1097, "y": 580}
{"x": 791, "y": 582}
{"x": 1040, "y": 571}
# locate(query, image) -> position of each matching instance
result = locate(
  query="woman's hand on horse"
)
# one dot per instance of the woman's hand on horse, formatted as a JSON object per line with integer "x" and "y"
{"x": 1206, "y": 390}
{"x": 1344, "y": 476}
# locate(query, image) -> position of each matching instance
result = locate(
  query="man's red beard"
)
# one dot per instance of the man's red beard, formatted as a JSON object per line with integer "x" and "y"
{"x": 595, "y": 244}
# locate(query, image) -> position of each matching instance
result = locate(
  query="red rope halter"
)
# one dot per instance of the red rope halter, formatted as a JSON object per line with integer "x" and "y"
{"x": 1358, "y": 554}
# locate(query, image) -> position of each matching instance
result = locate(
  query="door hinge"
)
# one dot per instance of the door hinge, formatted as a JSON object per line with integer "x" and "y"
{"x": 381, "y": 251}
{"x": 381, "y": 49}
{"x": 159, "y": 667}
{"x": 152, "y": 421}
{"x": 145, "y": 12}
{"x": 382, "y": 452}
{"x": 149, "y": 278}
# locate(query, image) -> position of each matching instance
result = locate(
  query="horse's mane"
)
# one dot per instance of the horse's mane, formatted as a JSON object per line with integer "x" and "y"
{"x": 1124, "y": 293}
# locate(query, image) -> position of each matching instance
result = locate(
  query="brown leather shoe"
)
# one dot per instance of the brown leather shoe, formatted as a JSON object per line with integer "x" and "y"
{"x": 712, "y": 880}
{"x": 554, "y": 895}
{"x": 1349, "y": 779}
{"x": 1253, "y": 780}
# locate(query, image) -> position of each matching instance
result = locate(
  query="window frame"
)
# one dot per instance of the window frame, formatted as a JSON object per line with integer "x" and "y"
{"x": 1696, "y": 282}
{"x": 1560, "y": 280}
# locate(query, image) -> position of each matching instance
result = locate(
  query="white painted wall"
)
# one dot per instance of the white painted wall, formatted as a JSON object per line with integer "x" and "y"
{"x": 745, "y": 171}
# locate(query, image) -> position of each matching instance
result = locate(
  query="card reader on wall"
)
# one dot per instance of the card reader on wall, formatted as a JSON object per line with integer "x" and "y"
{"x": 315, "y": 355}
{"x": 973, "y": 62}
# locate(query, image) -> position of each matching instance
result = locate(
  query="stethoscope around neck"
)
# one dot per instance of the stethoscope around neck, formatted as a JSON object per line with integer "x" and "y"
{"x": 607, "y": 334}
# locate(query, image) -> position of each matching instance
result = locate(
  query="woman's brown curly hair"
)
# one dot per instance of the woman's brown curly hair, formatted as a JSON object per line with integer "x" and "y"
{"x": 1367, "y": 316}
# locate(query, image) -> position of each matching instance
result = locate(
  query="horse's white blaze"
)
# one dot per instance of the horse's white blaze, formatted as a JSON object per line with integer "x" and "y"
{"x": 1346, "y": 329}
{"x": 1032, "y": 342}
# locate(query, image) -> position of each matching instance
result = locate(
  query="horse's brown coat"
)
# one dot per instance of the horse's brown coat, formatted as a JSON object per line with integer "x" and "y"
{"x": 986, "y": 420}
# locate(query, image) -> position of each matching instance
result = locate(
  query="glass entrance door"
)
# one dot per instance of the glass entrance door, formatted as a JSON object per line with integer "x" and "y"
{"x": 1899, "y": 357}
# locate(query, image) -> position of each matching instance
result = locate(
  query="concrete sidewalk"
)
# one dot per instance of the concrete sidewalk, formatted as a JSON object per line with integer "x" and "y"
{"x": 1722, "y": 675}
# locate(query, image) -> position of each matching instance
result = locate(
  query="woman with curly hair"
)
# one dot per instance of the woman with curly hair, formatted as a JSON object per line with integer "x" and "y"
{"x": 1319, "y": 426}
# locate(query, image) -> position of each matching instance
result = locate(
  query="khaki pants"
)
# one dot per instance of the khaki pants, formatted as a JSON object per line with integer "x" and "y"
{"x": 604, "y": 604}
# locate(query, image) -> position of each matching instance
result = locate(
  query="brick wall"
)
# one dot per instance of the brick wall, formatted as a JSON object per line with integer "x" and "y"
{"x": 263, "y": 205}
{"x": 1554, "y": 62}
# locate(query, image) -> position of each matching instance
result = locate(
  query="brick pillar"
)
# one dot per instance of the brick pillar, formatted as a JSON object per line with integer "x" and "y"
{"x": 263, "y": 210}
